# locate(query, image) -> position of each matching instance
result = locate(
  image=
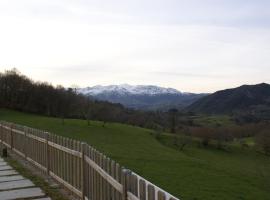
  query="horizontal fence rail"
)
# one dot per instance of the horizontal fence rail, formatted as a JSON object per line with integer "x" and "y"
{"x": 80, "y": 168}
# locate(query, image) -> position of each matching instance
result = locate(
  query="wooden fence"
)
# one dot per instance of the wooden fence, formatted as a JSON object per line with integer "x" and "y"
{"x": 79, "y": 167}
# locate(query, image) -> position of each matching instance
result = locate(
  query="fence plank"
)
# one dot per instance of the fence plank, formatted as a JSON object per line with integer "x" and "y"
{"x": 151, "y": 192}
{"x": 113, "y": 173}
{"x": 118, "y": 178}
{"x": 108, "y": 167}
{"x": 161, "y": 196}
{"x": 142, "y": 193}
{"x": 83, "y": 172}
{"x": 11, "y": 136}
{"x": 48, "y": 152}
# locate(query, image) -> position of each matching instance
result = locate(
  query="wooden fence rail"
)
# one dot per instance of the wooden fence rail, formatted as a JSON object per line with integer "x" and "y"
{"x": 79, "y": 167}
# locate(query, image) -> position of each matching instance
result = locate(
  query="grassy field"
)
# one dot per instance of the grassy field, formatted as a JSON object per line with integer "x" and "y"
{"x": 194, "y": 174}
{"x": 213, "y": 120}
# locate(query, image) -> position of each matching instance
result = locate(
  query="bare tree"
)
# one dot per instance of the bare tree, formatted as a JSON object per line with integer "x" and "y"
{"x": 185, "y": 140}
{"x": 263, "y": 141}
{"x": 204, "y": 133}
{"x": 173, "y": 119}
{"x": 87, "y": 109}
{"x": 74, "y": 88}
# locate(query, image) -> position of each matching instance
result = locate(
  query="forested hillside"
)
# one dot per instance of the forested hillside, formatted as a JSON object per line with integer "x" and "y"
{"x": 248, "y": 101}
{"x": 20, "y": 93}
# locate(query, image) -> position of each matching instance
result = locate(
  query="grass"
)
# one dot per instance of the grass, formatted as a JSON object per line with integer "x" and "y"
{"x": 194, "y": 174}
{"x": 213, "y": 120}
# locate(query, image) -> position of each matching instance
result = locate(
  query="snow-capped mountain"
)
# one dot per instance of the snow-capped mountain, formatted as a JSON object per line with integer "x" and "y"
{"x": 129, "y": 89}
{"x": 141, "y": 96}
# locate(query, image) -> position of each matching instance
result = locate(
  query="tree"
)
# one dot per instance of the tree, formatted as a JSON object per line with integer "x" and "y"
{"x": 263, "y": 141}
{"x": 74, "y": 88}
{"x": 173, "y": 118}
{"x": 204, "y": 133}
{"x": 221, "y": 137}
{"x": 184, "y": 140}
{"x": 88, "y": 110}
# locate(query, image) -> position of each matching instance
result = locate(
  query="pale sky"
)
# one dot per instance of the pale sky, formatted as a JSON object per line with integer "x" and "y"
{"x": 190, "y": 45}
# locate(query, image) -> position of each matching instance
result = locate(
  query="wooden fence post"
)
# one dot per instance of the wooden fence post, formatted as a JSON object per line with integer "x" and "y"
{"x": 11, "y": 136}
{"x": 125, "y": 174}
{"x": 83, "y": 174}
{"x": 48, "y": 152}
{"x": 25, "y": 142}
{"x": 1, "y": 133}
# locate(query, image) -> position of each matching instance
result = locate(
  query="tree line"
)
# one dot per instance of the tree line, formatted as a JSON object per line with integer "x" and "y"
{"x": 253, "y": 135}
{"x": 20, "y": 93}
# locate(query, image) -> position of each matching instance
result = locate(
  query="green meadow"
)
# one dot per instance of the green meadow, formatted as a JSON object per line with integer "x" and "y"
{"x": 193, "y": 174}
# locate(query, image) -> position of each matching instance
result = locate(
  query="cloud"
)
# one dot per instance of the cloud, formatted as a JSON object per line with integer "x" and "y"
{"x": 177, "y": 43}
{"x": 192, "y": 75}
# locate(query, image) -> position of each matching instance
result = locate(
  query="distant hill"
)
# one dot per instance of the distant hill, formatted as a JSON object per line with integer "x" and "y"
{"x": 145, "y": 97}
{"x": 251, "y": 98}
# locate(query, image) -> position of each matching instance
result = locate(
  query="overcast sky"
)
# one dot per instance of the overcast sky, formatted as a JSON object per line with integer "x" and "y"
{"x": 191, "y": 45}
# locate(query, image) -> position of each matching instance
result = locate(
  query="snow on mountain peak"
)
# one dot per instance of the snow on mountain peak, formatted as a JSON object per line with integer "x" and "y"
{"x": 128, "y": 89}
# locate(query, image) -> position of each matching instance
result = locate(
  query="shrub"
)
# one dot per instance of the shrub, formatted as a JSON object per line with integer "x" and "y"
{"x": 263, "y": 141}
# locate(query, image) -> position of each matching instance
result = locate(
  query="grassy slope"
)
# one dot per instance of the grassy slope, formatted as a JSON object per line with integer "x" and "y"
{"x": 194, "y": 174}
{"x": 213, "y": 120}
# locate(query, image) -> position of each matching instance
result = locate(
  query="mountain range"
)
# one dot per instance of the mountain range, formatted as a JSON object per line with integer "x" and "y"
{"x": 146, "y": 97}
{"x": 253, "y": 99}
{"x": 246, "y": 98}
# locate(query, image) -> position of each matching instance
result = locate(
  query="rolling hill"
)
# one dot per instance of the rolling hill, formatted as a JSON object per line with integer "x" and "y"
{"x": 196, "y": 173}
{"x": 253, "y": 98}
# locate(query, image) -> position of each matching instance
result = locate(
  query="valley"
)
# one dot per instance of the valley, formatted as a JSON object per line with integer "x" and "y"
{"x": 195, "y": 173}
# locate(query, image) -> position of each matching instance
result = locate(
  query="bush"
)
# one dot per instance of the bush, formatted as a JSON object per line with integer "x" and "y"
{"x": 263, "y": 141}
{"x": 181, "y": 141}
